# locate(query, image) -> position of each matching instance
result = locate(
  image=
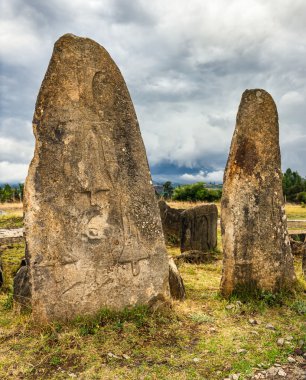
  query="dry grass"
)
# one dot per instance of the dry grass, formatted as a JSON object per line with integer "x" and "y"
{"x": 196, "y": 339}
{"x": 12, "y": 208}
{"x": 186, "y": 205}
{"x": 294, "y": 211}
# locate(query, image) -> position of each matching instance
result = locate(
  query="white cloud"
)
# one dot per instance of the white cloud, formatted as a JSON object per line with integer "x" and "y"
{"x": 292, "y": 98}
{"x": 15, "y": 151}
{"x": 12, "y": 173}
{"x": 186, "y": 65}
{"x": 202, "y": 176}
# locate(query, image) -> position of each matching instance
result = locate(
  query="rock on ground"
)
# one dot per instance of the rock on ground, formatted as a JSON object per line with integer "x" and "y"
{"x": 22, "y": 288}
{"x": 177, "y": 288}
{"x": 288, "y": 372}
{"x": 10, "y": 233}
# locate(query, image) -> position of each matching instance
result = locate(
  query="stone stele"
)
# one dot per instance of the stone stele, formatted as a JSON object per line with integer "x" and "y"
{"x": 256, "y": 245}
{"x": 171, "y": 219}
{"x": 92, "y": 224}
{"x": 199, "y": 228}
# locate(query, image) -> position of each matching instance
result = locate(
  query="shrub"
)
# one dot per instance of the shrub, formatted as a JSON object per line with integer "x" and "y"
{"x": 301, "y": 197}
{"x": 196, "y": 192}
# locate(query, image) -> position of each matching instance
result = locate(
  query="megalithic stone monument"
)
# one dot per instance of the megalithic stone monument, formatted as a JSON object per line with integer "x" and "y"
{"x": 92, "y": 224}
{"x": 256, "y": 245}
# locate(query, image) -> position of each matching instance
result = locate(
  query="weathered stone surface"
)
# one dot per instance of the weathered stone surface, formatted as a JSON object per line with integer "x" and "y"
{"x": 256, "y": 244}
{"x": 199, "y": 228}
{"x": 177, "y": 288}
{"x": 92, "y": 223}
{"x": 172, "y": 222}
{"x": 22, "y": 288}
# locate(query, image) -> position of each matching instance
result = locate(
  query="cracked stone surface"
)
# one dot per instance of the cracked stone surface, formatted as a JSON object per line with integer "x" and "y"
{"x": 256, "y": 245}
{"x": 92, "y": 224}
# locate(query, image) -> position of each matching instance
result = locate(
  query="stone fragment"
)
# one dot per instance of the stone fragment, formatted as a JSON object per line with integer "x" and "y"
{"x": 272, "y": 371}
{"x": 177, "y": 288}
{"x": 242, "y": 351}
{"x": 280, "y": 341}
{"x": 171, "y": 221}
{"x": 92, "y": 224}
{"x": 289, "y": 338}
{"x": 256, "y": 245}
{"x": 199, "y": 228}
{"x": 22, "y": 288}
{"x": 281, "y": 373}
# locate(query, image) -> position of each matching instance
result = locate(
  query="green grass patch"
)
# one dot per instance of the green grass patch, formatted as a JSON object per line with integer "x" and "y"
{"x": 11, "y": 221}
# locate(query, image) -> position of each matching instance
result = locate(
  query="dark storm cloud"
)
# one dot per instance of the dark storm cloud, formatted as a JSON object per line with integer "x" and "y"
{"x": 186, "y": 65}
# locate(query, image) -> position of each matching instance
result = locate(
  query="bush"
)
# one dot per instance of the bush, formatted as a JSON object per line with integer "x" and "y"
{"x": 301, "y": 197}
{"x": 196, "y": 192}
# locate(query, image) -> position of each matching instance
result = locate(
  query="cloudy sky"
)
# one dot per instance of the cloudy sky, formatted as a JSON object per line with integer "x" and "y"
{"x": 186, "y": 64}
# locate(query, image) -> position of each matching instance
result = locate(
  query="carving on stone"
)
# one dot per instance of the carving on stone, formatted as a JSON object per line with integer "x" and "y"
{"x": 132, "y": 251}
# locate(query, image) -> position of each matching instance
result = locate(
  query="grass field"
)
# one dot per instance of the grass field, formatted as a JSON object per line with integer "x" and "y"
{"x": 293, "y": 211}
{"x": 12, "y": 208}
{"x": 203, "y": 337}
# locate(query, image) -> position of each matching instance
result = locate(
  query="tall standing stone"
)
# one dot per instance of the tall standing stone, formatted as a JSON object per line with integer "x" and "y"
{"x": 256, "y": 245}
{"x": 92, "y": 224}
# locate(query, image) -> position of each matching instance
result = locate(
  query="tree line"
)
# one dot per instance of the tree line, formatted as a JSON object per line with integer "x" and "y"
{"x": 12, "y": 193}
{"x": 194, "y": 192}
{"x": 294, "y": 189}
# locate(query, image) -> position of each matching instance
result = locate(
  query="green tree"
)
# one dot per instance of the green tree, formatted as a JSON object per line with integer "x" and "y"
{"x": 293, "y": 184}
{"x": 19, "y": 191}
{"x": 6, "y": 193}
{"x": 196, "y": 192}
{"x": 167, "y": 190}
